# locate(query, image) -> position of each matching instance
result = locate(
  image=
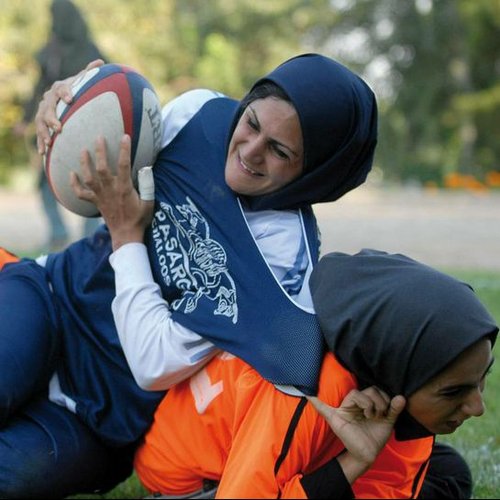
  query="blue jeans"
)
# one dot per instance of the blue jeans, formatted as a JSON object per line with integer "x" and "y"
{"x": 45, "y": 450}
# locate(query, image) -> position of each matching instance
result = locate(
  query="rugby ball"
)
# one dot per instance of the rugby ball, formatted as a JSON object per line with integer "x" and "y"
{"x": 110, "y": 101}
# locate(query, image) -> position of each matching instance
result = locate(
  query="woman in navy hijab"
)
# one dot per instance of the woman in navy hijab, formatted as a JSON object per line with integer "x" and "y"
{"x": 95, "y": 334}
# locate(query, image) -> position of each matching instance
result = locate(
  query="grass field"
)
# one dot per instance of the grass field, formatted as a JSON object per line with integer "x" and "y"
{"x": 478, "y": 440}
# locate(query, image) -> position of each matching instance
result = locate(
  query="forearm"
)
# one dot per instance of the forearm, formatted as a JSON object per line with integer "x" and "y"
{"x": 160, "y": 352}
{"x": 328, "y": 481}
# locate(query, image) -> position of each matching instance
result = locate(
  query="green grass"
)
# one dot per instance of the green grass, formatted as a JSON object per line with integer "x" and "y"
{"x": 131, "y": 488}
{"x": 478, "y": 440}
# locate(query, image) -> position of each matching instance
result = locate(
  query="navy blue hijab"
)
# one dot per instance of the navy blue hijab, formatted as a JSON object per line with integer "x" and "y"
{"x": 394, "y": 322}
{"x": 338, "y": 116}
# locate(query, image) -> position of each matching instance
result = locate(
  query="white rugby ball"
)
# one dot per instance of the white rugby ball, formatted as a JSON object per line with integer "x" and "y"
{"x": 109, "y": 101}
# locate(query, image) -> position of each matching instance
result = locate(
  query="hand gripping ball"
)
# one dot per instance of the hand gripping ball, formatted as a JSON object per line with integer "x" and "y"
{"x": 110, "y": 101}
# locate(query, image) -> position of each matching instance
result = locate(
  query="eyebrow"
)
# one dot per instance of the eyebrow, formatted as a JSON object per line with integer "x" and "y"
{"x": 273, "y": 141}
{"x": 464, "y": 386}
{"x": 489, "y": 367}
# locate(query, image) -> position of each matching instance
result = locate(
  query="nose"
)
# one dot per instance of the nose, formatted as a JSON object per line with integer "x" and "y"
{"x": 254, "y": 149}
{"x": 474, "y": 403}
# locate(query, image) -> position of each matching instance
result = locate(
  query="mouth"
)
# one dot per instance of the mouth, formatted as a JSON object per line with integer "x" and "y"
{"x": 247, "y": 169}
{"x": 453, "y": 424}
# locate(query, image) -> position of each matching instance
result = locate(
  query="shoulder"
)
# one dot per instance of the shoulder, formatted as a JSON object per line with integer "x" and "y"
{"x": 273, "y": 222}
{"x": 178, "y": 112}
{"x": 335, "y": 381}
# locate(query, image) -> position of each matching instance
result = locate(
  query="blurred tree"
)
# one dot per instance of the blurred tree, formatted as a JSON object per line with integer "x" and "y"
{"x": 479, "y": 104}
{"x": 435, "y": 66}
{"x": 17, "y": 74}
{"x": 253, "y": 35}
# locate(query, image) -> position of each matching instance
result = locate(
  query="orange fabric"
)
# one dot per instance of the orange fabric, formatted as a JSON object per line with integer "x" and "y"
{"x": 398, "y": 464}
{"x": 228, "y": 419}
{"x": 6, "y": 257}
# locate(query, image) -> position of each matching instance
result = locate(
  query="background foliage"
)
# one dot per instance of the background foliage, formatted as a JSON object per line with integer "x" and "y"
{"x": 434, "y": 64}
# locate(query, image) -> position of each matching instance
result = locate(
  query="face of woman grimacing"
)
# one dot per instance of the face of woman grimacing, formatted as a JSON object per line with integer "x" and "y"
{"x": 456, "y": 393}
{"x": 266, "y": 149}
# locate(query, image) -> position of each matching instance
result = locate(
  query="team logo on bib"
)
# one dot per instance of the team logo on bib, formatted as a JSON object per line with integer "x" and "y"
{"x": 190, "y": 260}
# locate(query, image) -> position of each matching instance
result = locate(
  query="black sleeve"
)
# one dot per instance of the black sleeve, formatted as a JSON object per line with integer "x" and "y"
{"x": 328, "y": 481}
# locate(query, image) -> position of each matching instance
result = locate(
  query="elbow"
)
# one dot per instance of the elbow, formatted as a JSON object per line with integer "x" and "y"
{"x": 155, "y": 380}
{"x": 145, "y": 384}
{"x": 162, "y": 379}
{"x": 148, "y": 382}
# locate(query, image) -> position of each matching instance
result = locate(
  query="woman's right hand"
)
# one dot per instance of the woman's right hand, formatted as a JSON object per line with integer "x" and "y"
{"x": 363, "y": 422}
{"x": 46, "y": 121}
{"x": 126, "y": 211}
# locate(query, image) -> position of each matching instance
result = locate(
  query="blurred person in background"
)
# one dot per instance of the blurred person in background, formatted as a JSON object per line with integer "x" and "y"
{"x": 68, "y": 49}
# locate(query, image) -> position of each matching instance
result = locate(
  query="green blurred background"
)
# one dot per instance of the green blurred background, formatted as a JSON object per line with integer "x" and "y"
{"x": 434, "y": 66}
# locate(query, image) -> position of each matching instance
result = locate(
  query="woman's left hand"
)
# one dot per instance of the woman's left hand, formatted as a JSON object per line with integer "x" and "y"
{"x": 46, "y": 120}
{"x": 126, "y": 214}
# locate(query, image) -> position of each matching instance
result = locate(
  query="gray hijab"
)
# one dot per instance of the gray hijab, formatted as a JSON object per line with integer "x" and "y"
{"x": 393, "y": 321}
